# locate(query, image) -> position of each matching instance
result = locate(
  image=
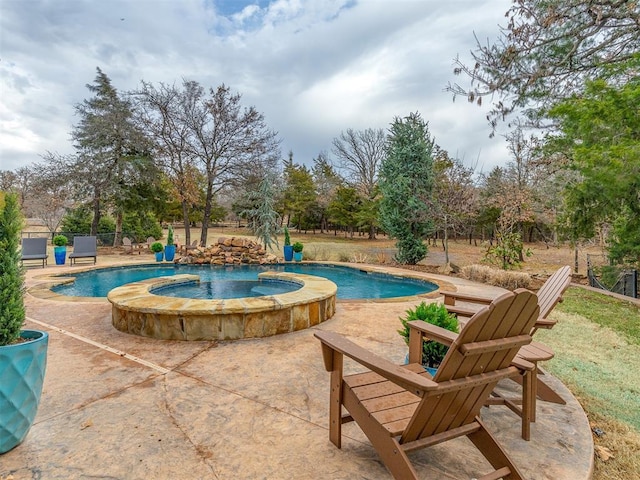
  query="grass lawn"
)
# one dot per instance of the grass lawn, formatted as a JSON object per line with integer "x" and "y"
{"x": 597, "y": 347}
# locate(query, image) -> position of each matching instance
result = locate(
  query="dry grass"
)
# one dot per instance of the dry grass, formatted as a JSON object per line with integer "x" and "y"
{"x": 500, "y": 278}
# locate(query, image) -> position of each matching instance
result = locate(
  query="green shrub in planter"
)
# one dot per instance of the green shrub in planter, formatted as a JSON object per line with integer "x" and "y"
{"x": 435, "y": 314}
{"x": 297, "y": 247}
{"x": 60, "y": 241}
{"x": 156, "y": 247}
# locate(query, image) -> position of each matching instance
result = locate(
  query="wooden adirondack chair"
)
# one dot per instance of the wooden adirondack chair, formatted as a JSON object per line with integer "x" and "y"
{"x": 549, "y": 295}
{"x": 402, "y": 408}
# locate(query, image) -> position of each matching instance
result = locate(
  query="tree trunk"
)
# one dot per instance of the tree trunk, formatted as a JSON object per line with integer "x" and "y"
{"x": 117, "y": 238}
{"x": 372, "y": 232}
{"x": 446, "y": 246}
{"x": 207, "y": 214}
{"x": 187, "y": 226}
{"x": 96, "y": 213}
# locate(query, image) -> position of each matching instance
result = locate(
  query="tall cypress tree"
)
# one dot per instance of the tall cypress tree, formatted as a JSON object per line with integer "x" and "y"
{"x": 12, "y": 311}
{"x": 406, "y": 184}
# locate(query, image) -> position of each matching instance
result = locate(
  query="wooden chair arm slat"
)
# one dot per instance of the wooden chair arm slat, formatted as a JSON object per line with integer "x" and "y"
{"x": 407, "y": 379}
{"x": 451, "y": 297}
{"x": 433, "y": 332}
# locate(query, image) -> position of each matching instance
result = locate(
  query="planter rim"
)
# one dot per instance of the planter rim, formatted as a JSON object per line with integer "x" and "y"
{"x": 33, "y": 335}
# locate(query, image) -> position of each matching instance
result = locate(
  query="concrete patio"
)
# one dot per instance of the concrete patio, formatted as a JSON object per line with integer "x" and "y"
{"x": 119, "y": 406}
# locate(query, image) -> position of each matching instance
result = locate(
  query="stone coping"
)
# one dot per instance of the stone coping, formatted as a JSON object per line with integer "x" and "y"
{"x": 138, "y": 311}
{"x": 138, "y": 296}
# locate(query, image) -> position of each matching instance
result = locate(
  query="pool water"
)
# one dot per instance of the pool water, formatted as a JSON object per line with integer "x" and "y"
{"x": 352, "y": 283}
{"x": 226, "y": 289}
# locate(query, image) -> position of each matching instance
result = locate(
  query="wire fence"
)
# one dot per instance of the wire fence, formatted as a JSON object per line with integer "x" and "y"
{"x": 613, "y": 278}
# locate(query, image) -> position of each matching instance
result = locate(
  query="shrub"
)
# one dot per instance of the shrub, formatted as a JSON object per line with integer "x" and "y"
{"x": 287, "y": 238}
{"x": 499, "y": 278}
{"x": 507, "y": 250}
{"x": 344, "y": 257}
{"x": 298, "y": 247}
{"x": 156, "y": 247}
{"x": 141, "y": 225}
{"x": 60, "y": 240}
{"x": 435, "y": 314}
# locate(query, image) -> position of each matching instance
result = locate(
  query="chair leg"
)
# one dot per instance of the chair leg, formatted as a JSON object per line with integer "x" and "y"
{"x": 493, "y": 451}
{"x": 547, "y": 394}
{"x": 528, "y": 404}
{"x": 335, "y": 401}
{"x": 390, "y": 451}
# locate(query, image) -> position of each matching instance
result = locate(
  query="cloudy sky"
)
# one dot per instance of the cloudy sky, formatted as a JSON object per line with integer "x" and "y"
{"x": 314, "y": 68}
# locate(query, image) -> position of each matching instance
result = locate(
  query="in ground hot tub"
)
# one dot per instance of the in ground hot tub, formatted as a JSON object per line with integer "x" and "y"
{"x": 137, "y": 310}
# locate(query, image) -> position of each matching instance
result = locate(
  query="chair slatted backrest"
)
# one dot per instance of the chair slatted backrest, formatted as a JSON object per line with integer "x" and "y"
{"x": 480, "y": 356}
{"x": 551, "y": 292}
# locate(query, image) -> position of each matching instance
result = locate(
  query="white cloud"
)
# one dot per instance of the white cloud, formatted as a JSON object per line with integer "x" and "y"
{"x": 314, "y": 68}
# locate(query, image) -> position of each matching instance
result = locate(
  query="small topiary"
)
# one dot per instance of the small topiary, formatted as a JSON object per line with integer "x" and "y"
{"x": 287, "y": 238}
{"x": 60, "y": 241}
{"x": 432, "y": 352}
{"x": 170, "y": 236}
{"x": 156, "y": 247}
{"x": 297, "y": 247}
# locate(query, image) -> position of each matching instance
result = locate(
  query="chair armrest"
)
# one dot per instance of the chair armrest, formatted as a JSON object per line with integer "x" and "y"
{"x": 545, "y": 323}
{"x": 461, "y": 311}
{"x": 333, "y": 342}
{"x": 451, "y": 297}
{"x": 522, "y": 364}
{"x": 433, "y": 332}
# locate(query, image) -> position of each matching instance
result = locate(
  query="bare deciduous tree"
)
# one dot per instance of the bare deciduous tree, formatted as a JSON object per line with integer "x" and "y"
{"x": 547, "y": 51}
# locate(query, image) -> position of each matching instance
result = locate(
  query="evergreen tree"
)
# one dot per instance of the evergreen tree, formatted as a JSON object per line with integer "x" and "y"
{"x": 12, "y": 311}
{"x": 113, "y": 158}
{"x": 600, "y": 137}
{"x": 406, "y": 184}
{"x": 263, "y": 217}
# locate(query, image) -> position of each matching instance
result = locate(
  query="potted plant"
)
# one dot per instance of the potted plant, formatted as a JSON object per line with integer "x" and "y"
{"x": 288, "y": 249}
{"x": 297, "y": 251}
{"x": 23, "y": 353}
{"x": 158, "y": 249}
{"x": 60, "y": 249}
{"x": 170, "y": 249}
{"x": 435, "y": 314}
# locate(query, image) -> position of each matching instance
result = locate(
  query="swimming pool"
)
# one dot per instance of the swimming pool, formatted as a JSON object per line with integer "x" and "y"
{"x": 352, "y": 283}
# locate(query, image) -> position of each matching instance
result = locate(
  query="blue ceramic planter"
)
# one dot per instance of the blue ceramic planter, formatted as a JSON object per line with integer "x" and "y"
{"x": 60, "y": 254}
{"x": 22, "y": 368}
{"x": 169, "y": 253}
{"x": 288, "y": 253}
{"x": 159, "y": 256}
{"x": 297, "y": 256}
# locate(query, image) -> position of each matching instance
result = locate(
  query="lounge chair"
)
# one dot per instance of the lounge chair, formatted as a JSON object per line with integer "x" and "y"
{"x": 402, "y": 408}
{"x": 549, "y": 295}
{"x": 129, "y": 246}
{"x": 193, "y": 246}
{"x": 34, "y": 249}
{"x": 84, "y": 247}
